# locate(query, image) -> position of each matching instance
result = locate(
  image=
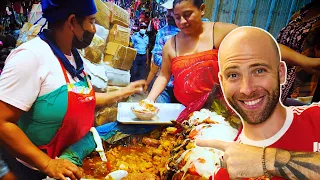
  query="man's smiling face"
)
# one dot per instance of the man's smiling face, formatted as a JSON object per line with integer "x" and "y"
{"x": 250, "y": 76}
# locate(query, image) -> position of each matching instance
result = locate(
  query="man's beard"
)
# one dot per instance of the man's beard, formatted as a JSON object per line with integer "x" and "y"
{"x": 266, "y": 112}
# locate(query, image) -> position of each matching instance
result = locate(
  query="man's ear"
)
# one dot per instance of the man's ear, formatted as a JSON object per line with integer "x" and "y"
{"x": 282, "y": 72}
{"x": 72, "y": 21}
{"x": 220, "y": 77}
{"x": 203, "y": 9}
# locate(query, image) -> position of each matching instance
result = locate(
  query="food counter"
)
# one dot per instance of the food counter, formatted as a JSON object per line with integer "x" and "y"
{"x": 168, "y": 152}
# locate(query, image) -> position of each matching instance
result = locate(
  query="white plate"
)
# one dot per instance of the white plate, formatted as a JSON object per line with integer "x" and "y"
{"x": 167, "y": 112}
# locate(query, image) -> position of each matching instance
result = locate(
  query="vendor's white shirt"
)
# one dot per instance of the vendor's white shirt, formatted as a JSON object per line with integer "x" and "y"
{"x": 30, "y": 71}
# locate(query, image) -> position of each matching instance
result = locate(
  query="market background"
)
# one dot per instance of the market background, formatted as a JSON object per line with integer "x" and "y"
{"x": 109, "y": 57}
{"x": 270, "y": 15}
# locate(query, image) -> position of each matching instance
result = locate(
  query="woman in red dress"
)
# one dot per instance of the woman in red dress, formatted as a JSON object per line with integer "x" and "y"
{"x": 192, "y": 55}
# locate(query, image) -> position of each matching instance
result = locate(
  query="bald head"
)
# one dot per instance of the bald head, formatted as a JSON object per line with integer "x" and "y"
{"x": 248, "y": 42}
{"x": 251, "y": 73}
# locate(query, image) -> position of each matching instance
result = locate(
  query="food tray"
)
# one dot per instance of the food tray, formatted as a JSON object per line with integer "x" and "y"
{"x": 167, "y": 112}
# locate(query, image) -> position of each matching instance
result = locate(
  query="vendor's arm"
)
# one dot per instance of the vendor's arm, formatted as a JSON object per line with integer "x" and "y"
{"x": 103, "y": 99}
{"x": 246, "y": 161}
{"x": 311, "y": 65}
{"x": 165, "y": 73}
{"x": 19, "y": 88}
{"x": 18, "y": 144}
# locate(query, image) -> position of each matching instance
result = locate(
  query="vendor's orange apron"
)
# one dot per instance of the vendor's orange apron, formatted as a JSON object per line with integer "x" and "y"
{"x": 77, "y": 121}
{"x": 195, "y": 75}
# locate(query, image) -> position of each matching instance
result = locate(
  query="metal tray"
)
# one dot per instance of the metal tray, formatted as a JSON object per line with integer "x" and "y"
{"x": 167, "y": 112}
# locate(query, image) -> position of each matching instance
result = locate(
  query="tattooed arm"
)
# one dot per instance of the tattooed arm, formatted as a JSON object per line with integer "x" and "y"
{"x": 293, "y": 165}
{"x": 245, "y": 161}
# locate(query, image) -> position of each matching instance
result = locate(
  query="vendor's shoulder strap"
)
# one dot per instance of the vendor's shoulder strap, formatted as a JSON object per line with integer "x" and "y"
{"x": 213, "y": 35}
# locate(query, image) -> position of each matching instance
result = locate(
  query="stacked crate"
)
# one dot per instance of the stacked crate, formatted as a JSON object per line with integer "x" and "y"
{"x": 117, "y": 57}
{"x": 117, "y": 52}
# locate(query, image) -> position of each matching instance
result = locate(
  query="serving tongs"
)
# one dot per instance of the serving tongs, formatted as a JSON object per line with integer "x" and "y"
{"x": 99, "y": 147}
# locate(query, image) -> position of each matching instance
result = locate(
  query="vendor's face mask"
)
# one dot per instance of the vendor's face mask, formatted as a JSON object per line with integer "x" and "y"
{"x": 85, "y": 41}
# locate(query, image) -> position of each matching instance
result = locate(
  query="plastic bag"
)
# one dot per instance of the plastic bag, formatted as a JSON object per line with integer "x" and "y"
{"x": 36, "y": 14}
{"x": 102, "y": 32}
{"x": 99, "y": 80}
{"x": 117, "y": 77}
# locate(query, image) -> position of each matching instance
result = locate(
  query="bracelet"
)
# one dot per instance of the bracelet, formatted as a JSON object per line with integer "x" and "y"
{"x": 264, "y": 167}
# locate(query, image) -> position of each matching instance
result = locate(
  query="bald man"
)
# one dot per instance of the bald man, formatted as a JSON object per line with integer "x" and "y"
{"x": 276, "y": 141}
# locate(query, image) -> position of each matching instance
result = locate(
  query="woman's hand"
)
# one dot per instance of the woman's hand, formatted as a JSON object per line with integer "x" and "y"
{"x": 61, "y": 168}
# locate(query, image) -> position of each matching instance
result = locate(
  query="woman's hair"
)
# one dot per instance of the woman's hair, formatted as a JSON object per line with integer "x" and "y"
{"x": 197, "y": 3}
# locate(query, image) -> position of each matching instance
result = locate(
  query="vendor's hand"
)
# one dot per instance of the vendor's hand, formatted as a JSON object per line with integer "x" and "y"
{"x": 136, "y": 87}
{"x": 242, "y": 161}
{"x": 61, "y": 168}
{"x": 145, "y": 88}
{"x": 311, "y": 65}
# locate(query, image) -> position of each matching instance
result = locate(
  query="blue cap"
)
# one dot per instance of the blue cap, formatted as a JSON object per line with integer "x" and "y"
{"x": 55, "y": 10}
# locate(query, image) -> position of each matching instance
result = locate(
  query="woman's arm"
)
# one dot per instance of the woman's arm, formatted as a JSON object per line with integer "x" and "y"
{"x": 311, "y": 65}
{"x": 164, "y": 76}
{"x": 18, "y": 144}
{"x": 9, "y": 176}
{"x": 220, "y": 32}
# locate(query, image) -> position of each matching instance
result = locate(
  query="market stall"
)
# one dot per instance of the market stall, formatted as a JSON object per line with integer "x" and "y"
{"x": 140, "y": 149}
{"x": 165, "y": 151}
{"x": 127, "y": 143}
{"x": 109, "y": 58}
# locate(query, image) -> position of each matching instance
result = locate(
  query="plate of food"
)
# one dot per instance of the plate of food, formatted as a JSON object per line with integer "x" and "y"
{"x": 146, "y": 112}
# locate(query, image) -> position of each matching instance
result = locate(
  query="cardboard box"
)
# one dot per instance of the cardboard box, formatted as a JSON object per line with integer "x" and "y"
{"x": 119, "y": 34}
{"x": 119, "y": 15}
{"x": 119, "y": 56}
{"x": 103, "y": 16}
{"x": 94, "y": 52}
{"x": 106, "y": 115}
